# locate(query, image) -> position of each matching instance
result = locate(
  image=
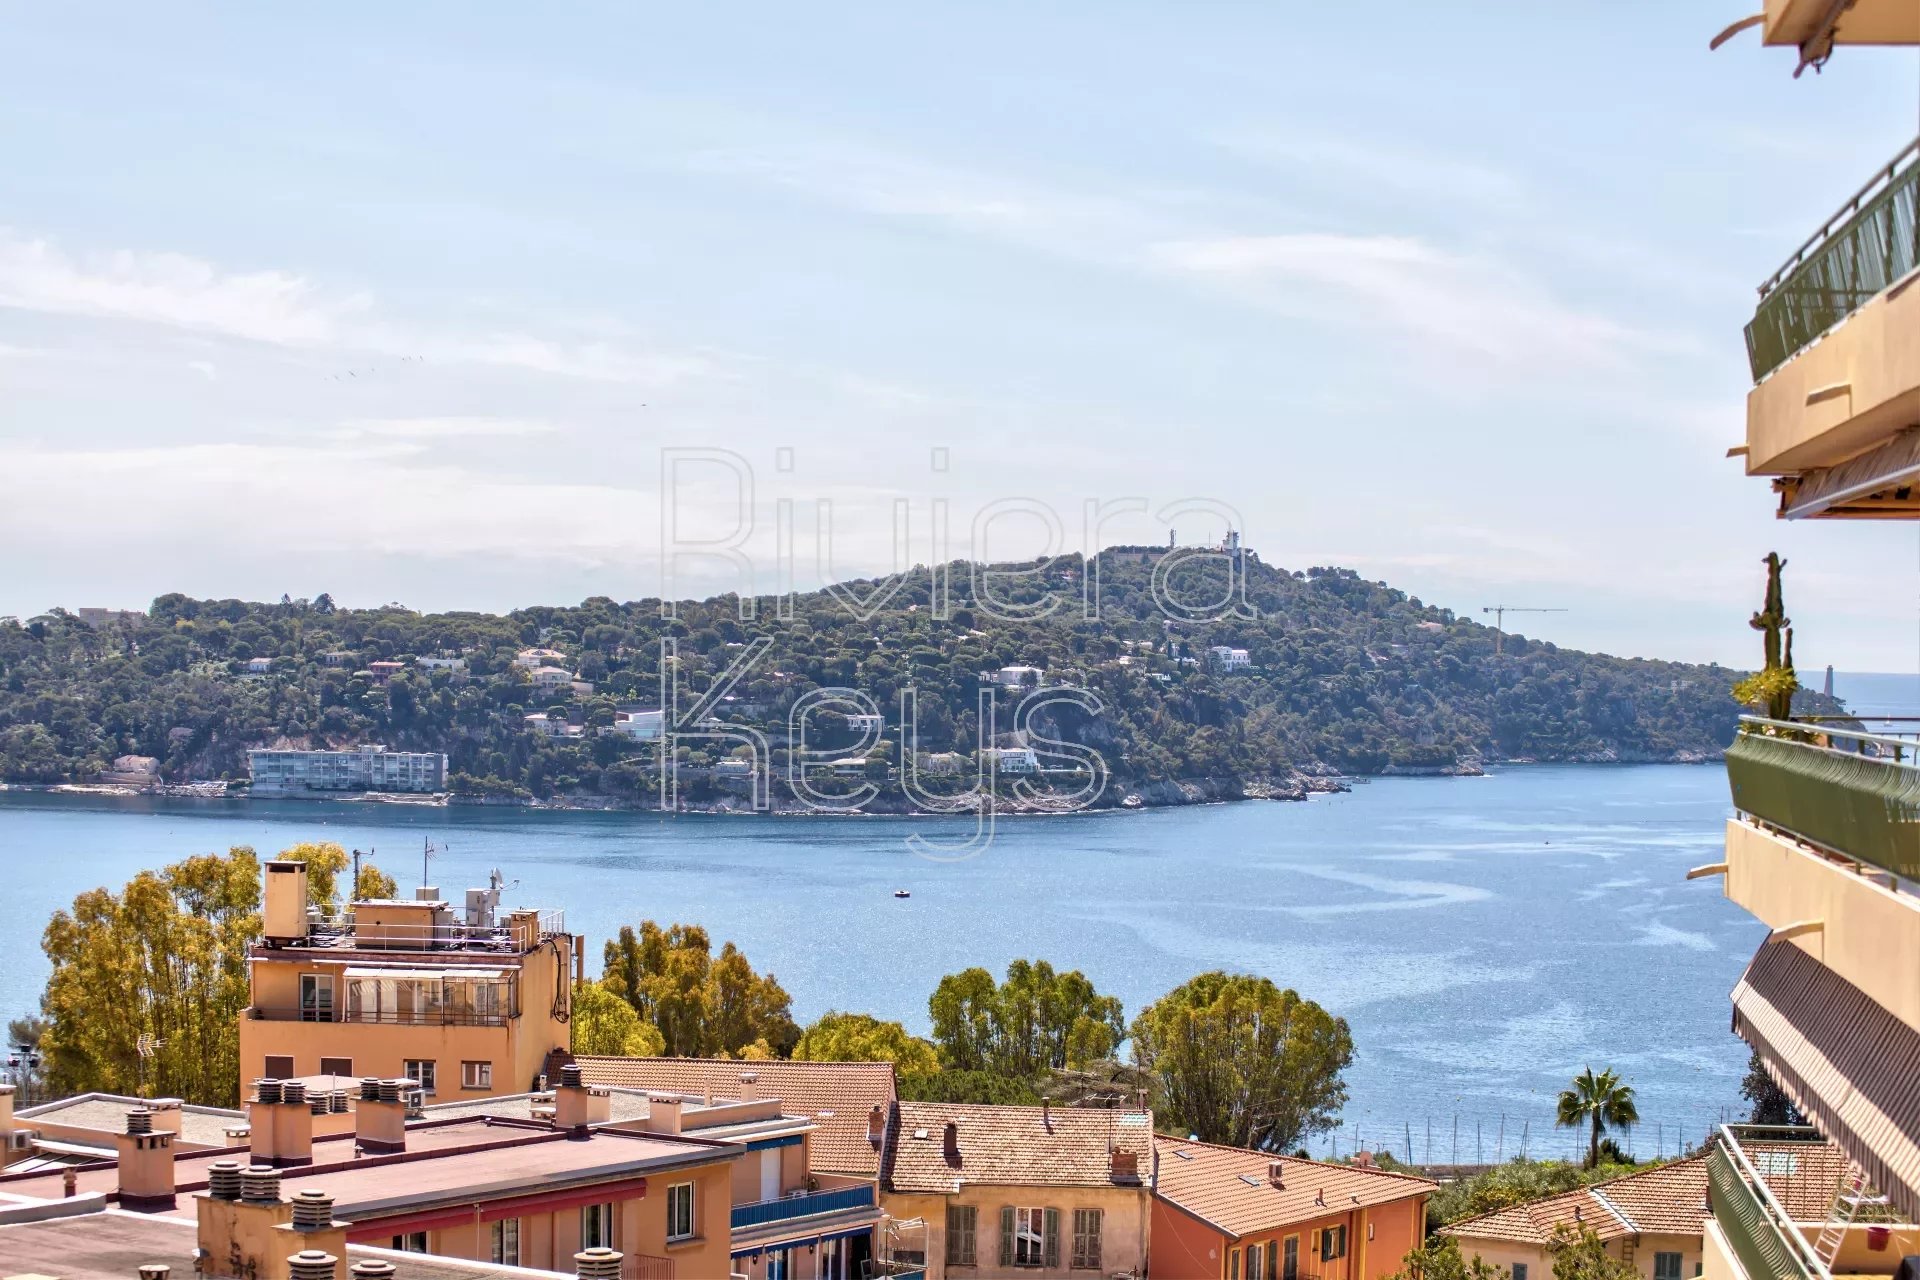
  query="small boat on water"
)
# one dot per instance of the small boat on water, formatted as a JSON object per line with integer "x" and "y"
{"x": 902, "y": 893}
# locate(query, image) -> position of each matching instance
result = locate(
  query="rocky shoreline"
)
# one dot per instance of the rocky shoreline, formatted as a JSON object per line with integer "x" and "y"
{"x": 1295, "y": 785}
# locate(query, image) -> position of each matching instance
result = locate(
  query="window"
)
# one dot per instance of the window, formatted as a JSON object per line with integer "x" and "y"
{"x": 596, "y": 1226}
{"x": 316, "y": 997}
{"x": 1666, "y": 1266}
{"x": 421, "y": 1071}
{"x": 680, "y": 1211}
{"x": 476, "y": 1075}
{"x": 279, "y": 1066}
{"x": 962, "y": 1224}
{"x": 1029, "y": 1237}
{"x": 1775, "y": 1164}
{"x": 504, "y": 1238}
{"x": 336, "y": 1066}
{"x": 1256, "y": 1255}
{"x": 1273, "y": 1260}
{"x": 777, "y": 1268}
{"x": 1290, "y": 1260}
{"x": 412, "y": 1242}
{"x": 1233, "y": 1265}
{"x": 1519, "y": 1271}
{"x": 1086, "y": 1238}
{"x": 1333, "y": 1243}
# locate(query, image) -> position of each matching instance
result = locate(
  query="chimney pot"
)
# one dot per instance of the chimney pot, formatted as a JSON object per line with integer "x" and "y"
{"x": 370, "y": 1088}
{"x": 572, "y": 1077}
{"x": 224, "y": 1179}
{"x": 372, "y": 1270}
{"x": 293, "y": 1091}
{"x": 312, "y": 1264}
{"x": 139, "y": 1120}
{"x": 155, "y": 1271}
{"x": 69, "y": 1183}
{"x": 266, "y": 1089}
{"x": 597, "y": 1264}
{"x": 260, "y": 1183}
{"x": 337, "y": 1102}
{"x": 312, "y": 1210}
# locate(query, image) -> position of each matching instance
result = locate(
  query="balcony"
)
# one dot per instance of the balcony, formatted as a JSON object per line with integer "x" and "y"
{"x": 768, "y": 1212}
{"x": 1831, "y": 351}
{"x": 1857, "y": 794}
{"x": 1773, "y": 1191}
{"x": 1812, "y": 23}
{"x": 380, "y": 1018}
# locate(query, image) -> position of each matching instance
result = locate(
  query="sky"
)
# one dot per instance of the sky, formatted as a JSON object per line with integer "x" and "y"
{"x": 481, "y": 306}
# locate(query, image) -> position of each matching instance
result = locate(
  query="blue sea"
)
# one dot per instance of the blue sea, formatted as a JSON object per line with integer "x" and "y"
{"x": 1485, "y": 937}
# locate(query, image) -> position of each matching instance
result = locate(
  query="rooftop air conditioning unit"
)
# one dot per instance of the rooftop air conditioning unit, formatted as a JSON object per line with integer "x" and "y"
{"x": 22, "y": 1139}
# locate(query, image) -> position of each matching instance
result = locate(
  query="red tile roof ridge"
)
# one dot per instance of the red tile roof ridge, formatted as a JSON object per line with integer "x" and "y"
{"x": 1296, "y": 1160}
{"x": 1591, "y": 1192}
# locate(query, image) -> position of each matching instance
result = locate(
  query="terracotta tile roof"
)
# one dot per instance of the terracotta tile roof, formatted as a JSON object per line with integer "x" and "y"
{"x": 1013, "y": 1146}
{"x": 1668, "y": 1200}
{"x": 836, "y": 1096}
{"x": 1228, "y": 1186}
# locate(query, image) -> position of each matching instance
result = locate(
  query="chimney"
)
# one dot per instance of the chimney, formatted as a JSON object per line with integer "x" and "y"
{"x": 597, "y": 1264}
{"x": 371, "y": 1270}
{"x": 285, "y": 917}
{"x": 244, "y": 1226}
{"x": 876, "y": 1126}
{"x": 1046, "y": 1115}
{"x": 1277, "y": 1173}
{"x": 663, "y": 1113}
{"x": 950, "y": 1142}
{"x": 6, "y": 1110}
{"x": 166, "y": 1114}
{"x": 380, "y": 1117}
{"x": 312, "y": 1234}
{"x": 312, "y": 1264}
{"x": 575, "y": 1106}
{"x": 1363, "y": 1159}
{"x": 146, "y": 1164}
{"x": 1126, "y": 1165}
{"x": 749, "y": 1086}
{"x": 154, "y": 1271}
{"x": 282, "y": 1123}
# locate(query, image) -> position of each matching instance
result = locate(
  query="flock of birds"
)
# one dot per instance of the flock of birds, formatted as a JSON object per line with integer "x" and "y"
{"x": 344, "y": 374}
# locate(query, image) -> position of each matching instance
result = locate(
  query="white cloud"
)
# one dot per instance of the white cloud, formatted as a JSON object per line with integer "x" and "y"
{"x": 1467, "y": 304}
{"x": 443, "y": 428}
{"x": 284, "y": 309}
{"x": 205, "y": 369}
{"x": 172, "y": 289}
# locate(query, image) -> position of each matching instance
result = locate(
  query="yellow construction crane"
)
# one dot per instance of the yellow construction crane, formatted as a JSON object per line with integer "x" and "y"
{"x": 1500, "y": 612}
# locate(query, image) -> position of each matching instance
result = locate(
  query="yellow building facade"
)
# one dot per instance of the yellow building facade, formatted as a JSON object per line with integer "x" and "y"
{"x": 467, "y": 1001}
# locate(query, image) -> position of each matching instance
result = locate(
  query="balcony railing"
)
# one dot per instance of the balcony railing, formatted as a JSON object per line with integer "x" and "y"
{"x": 1867, "y": 245}
{"x": 642, "y": 1266}
{"x": 766, "y": 1211}
{"x": 384, "y": 1018}
{"x": 1757, "y": 1228}
{"x": 1856, "y": 793}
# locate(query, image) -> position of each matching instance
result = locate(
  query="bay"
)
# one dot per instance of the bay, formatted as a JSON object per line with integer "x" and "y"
{"x": 1485, "y": 937}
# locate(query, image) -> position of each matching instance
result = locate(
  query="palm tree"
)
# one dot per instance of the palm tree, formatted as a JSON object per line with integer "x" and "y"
{"x": 1597, "y": 1101}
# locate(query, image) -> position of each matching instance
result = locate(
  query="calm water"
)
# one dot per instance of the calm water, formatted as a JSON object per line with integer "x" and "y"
{"x": 1485, "y": 937}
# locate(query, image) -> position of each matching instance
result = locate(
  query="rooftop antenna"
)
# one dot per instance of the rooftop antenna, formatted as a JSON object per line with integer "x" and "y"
{"x": 426, "y": 855}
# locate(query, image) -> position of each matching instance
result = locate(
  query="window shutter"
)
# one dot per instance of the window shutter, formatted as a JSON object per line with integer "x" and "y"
{"x": 1093, "y": 1238}
{"x": 1051, "y": 1240}
{"x": 1006, "y": 1235}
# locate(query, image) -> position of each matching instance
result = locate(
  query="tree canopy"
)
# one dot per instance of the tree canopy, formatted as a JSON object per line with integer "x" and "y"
{"x": 604, "y": 1024}
{"x": 860, "y": 1037}
{"x": 1237, "y": 1060}
{"x": 703, "y": 1005}
{"x": 1034, "y": 1021}
{"x": 1596, "y": 1101}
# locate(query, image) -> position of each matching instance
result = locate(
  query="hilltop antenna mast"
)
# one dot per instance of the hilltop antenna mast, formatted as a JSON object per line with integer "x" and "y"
{"x": 1500, "y": 612}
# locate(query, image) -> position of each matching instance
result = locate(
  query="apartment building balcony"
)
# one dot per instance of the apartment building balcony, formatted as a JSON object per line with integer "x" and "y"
{"x": 1782, "y": 1210}
{"x": 767, "y": 1213}
{"x": 1835, "y": 410}
{"x": 1812, "y": 23}
{"x": 1856, "y": 794}
{"x": 381, "y": 1017}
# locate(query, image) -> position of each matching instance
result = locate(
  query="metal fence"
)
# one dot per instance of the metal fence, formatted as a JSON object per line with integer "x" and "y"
{"x": 1868, "y": 244}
